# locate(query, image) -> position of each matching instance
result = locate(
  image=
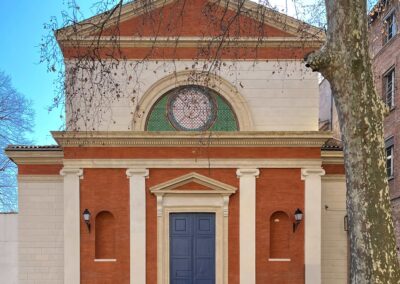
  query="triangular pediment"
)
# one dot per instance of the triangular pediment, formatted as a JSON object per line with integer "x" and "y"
{"x": 193, "y": 183}
{"x": 175, "y": 18}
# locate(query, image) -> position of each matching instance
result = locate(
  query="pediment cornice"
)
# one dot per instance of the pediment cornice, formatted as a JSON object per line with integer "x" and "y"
{"x": 214, "y": 186}
{"x": 133, "y": 9}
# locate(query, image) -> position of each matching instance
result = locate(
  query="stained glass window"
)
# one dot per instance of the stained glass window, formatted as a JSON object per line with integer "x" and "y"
{"x": 192, "y": 108}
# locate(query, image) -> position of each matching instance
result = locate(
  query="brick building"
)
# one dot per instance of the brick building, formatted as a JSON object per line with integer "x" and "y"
{"x": 385, "y": 52}
{"x": 195, "y": 177}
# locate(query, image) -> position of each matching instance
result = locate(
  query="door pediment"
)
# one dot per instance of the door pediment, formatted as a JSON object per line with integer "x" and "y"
{"x": 193, "y": 183}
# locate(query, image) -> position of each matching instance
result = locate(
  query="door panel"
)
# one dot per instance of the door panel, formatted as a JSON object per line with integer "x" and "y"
{"x": 192, "y": 248}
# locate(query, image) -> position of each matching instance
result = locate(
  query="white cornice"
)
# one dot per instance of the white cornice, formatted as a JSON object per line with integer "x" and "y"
{"x": 179, "y": 42}
{"x": 192, "y": 163}
{"x": 35, "y": 157}
{"x": 334, "y": 178}
{"x": 332, "y": 157}
{"x": 214, "y": 186}
{"x": 191, "y": 139}
{"x": 39, "y": 178}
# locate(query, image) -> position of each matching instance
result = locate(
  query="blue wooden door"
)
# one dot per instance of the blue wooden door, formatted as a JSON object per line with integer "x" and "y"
{"x": 192, "y": 248}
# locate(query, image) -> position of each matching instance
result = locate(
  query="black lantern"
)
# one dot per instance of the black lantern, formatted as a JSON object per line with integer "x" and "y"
{"x": 86, "y": 217}
{"x": 298, "y": 216}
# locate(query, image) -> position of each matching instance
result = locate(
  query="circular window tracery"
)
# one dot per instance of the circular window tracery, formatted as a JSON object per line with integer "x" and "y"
{"x": 191, "y": 108}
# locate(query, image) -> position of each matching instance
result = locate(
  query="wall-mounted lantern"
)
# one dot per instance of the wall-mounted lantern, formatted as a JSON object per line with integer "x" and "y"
{"x": 298, "y": 216}
{"x": 86, "y": 217}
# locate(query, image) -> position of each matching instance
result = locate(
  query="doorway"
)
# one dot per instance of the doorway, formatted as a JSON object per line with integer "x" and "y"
{"x": 192, "y": 248}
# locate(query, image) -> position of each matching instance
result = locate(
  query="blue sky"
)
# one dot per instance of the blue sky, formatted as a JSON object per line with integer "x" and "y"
{"x": 21, "y": 27}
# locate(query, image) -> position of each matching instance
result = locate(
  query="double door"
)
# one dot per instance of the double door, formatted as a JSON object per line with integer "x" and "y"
{"x": 192, "y": 248}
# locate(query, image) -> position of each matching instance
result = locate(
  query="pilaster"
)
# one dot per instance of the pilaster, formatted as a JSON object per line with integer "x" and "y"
{"x": 312, "y": 224}
{"x": 247, "y": 220}
{"x": 72, "y": 216}
{"x": 137, "y": 199}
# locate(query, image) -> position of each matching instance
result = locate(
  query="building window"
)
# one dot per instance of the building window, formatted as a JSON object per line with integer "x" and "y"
{"x": 192, "y": 108}
{"x": 389, "y": 157}
{"x": 390, "y": 27}
{"x": 389, "y": 81}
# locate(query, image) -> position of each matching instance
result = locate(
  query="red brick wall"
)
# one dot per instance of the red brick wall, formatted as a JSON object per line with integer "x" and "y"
{"x": 39, "y": 169}
{"x": 105, "y": 189}
{"x": 108, "y": 190}
{"x": 195, "y": 18}
{"x": 279, "y": 190}
{"x": 203, "y": 152}
{"x": 334, "y": 169}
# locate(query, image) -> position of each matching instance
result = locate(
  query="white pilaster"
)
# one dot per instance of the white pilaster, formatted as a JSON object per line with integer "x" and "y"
{"x": 72, "y": 216}
{"x": 137, "y": 198}
{"x": 247, "y": 221}
{"x": 312, "y": 224}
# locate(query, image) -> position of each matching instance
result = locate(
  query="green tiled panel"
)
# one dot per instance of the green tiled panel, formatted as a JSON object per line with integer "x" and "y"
{"x": 158, "y": 120}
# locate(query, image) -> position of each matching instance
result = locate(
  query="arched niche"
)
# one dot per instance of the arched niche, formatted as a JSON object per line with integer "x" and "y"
{"x": 105, "y": 235}
{"x": 228, "y": 91}
{"x": 280, "y": 229}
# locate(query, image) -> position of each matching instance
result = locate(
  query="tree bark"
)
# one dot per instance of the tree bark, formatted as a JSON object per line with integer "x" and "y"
{"x": 345, "y": 62}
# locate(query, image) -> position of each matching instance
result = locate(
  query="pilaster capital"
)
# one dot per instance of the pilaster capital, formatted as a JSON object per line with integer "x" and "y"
{"x": 247, "y": 173}
{"x": 137, "y": 172}
{"x": 311, "y": 172}
{"x": 71, "y": 171}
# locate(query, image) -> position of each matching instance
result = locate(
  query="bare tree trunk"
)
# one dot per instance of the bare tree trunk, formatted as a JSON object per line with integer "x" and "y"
{"x": 345, "y": 62}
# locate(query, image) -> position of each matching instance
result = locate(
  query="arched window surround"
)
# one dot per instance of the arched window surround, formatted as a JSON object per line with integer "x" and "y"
{"x": 227, "y": 90}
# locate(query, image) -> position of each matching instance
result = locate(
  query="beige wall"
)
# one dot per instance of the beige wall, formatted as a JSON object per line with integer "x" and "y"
{"x": 334, "y": 238}
{"x": 9, "y": 248}
{"x": 281, "y": 95}
{"x": 40, "y": 230}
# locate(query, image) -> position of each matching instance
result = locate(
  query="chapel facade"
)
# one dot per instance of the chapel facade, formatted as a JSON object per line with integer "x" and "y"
{"x": 201, "y": 162}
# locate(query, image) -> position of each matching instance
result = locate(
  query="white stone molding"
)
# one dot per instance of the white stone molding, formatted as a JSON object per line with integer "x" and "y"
{"x": 191, "y": 139}
{"x": 213, "y": 200}
{"x": 312, "y": 223}
{"x": 247, "y": 221}
{"x": 53, "y": 157}
{"x": 72, "y": 217}
{"x": 39, "y": 178}
{"x": 207, "y": 79}
{"x": 137, "y": 199}
{"x": 194, "y": 41}
{"x": 332, "y": 157}
{"x": 336, "y": 177}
